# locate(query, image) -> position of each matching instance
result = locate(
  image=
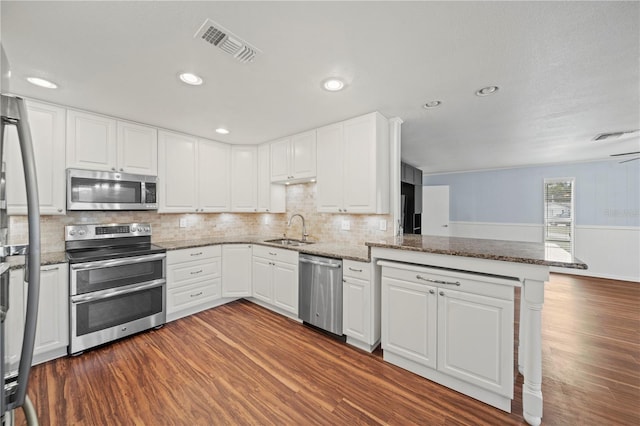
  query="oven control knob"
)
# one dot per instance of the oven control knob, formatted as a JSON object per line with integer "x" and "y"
{"x": 72, "y": 232}
{"x": 82, "y": 232}
{"x": 134, "y": 229}
{"x": 147, "y": 229}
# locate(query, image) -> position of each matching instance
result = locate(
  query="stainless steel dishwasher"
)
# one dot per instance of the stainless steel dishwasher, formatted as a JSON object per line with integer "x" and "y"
{"x": 320, "y": 295}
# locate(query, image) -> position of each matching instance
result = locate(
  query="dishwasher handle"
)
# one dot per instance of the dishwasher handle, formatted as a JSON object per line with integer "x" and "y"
{"x": 317, "y": 262}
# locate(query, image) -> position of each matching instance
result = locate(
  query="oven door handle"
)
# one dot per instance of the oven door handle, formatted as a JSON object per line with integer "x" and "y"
{"x": 116, "y": 262}
{"x": 106, "y": 294}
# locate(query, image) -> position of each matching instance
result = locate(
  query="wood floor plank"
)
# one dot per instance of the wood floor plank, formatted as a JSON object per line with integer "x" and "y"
{"x": 240, "y": 364}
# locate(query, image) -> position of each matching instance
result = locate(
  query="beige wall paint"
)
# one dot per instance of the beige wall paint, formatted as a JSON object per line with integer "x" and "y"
{"x": 301, "y": 199}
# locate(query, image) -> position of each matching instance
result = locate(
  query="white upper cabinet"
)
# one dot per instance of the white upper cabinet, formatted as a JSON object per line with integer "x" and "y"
{"x": 177, "y": 190}
{"x": 214, "y": 175}
{"x": 271, "y": 197}
{"x": 244, "y": 178}
{"x": 294, "y": 158}
{"x": 193, "y": 174}
{"x": 353, "y": 166}
{"x": 47, "y": 124}
{"x": 137, "y": 149}
{"x": 97, "y": 142}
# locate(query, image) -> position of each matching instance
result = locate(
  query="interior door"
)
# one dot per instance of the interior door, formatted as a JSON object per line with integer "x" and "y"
{"x": 435, "y": 210}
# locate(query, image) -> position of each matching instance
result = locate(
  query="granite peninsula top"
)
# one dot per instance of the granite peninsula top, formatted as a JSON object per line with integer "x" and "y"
{"x": 507, "y": 251}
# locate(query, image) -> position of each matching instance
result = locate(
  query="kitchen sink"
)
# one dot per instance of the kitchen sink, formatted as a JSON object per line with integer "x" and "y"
{"x": 289, "y": 242}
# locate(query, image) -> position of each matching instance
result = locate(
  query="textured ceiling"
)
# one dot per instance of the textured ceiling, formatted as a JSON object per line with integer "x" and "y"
{"x": 566, "y": 71}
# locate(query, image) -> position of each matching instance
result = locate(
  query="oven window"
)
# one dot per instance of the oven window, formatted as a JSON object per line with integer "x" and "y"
{"x": 91, "y": 280}
{"x": 106, "y": 313}
{"x": 84, "y": 190}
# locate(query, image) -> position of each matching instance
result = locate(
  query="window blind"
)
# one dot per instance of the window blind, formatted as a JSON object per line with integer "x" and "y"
{"x": 559, "y": 212}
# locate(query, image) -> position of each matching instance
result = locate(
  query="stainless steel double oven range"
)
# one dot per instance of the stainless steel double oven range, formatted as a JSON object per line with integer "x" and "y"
{"x": 117, "y": 282}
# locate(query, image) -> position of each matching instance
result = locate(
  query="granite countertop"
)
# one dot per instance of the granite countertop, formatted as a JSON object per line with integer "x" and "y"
{"x": 330, "y": 249}
{"x": 508, "y": 251}
{"x": 50, "y": 258}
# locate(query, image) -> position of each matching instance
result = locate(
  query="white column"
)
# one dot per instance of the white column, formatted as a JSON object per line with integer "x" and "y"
{"x": 533, "y": 294}
{"x": 395, "y": 139}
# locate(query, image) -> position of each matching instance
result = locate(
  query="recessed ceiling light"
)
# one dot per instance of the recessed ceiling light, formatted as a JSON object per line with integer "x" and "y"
{"x": 486, "y": 91}
{"x": 333, "y": 84}
{"x": 222, "y": 131}
{"x": 432, "y": 104}
{"x": 190, "y": 78}
{"x": 42, "y": 82}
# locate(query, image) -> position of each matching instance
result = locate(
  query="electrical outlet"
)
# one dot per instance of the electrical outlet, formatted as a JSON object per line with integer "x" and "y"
{"x": 383, "y": 225}
{"x": 346, "y": 225}
{"x": 183, "y": 222}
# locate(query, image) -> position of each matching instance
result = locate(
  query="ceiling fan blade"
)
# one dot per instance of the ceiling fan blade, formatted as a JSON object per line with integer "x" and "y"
{"x": 631, "y": 159}
{"x": 624, "y": 153}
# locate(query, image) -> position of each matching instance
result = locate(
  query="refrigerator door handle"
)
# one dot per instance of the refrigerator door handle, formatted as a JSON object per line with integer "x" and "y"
{"x": 17, "y": 115}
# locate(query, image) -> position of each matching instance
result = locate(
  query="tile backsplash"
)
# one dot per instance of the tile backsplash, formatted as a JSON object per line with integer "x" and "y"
{"x": 301, "y": 199}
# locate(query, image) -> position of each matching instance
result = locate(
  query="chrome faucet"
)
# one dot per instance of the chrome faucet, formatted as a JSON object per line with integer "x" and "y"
{"x": 304, "y": 227}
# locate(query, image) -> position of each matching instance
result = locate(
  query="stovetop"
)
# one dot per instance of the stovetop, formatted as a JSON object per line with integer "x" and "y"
{"x": 106, "y": 253}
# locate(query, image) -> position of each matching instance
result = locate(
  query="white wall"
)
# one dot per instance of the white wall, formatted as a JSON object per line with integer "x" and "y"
{"x": 609, "y": 251}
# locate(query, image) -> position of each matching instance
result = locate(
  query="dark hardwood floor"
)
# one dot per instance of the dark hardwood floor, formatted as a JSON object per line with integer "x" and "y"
{"x": 242, "y": 364}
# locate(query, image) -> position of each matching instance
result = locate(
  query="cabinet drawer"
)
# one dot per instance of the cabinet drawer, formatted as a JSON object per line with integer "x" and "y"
{"x": 192, "y": 295}
{"x": 484, "y": 285}
{"x": 197, "y": 253}
{"x": 286, "y": 256}
{"x": 360, "y": 270}
{"x": 183, "y": 273}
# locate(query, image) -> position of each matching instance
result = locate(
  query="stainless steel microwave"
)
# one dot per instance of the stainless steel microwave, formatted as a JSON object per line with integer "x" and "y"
{"x": 99, "y": 190}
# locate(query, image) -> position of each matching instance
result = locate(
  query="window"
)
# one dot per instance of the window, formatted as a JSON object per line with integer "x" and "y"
{"x": 558, "y": 212}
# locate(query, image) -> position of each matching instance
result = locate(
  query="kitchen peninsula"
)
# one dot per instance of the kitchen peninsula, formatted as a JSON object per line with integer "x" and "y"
{"x": 448, "y": 307}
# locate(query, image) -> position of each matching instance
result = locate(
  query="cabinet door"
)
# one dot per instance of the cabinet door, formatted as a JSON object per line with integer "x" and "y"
{"x": 177, "y": 172}
{"x": 137, "y": 149}
{"x": 409, "y": 315}
{"x": 52, "y": 332}
{"x": 330, "y": 166}
{"x": 244, "y": 179}
{"x": 261, "y": 273}
{"x": 359, "y": 165}
{"x": 303, "y": 155}
{"x": 14, "y": 321}
{"x": 475, "y": 340}
{"x": 285, "y": 286}
{"x": 47, "y": 124}
{"x": 214, "y": 191}
{"x": 271, "y": 197}
{"x": 236, "y": 270}
{"x": 356, "y": 299}
{"x": 280, "y": 160}
{"x": 91, "y": 141}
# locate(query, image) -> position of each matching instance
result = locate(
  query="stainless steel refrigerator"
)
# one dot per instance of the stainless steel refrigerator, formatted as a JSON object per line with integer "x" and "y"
{"x": 14, "y": 114}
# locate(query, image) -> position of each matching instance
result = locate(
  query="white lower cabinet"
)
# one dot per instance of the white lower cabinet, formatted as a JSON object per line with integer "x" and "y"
{"x": 52, "y": 330}
{"x": 236, "y": 270}
{"x": 451, "y": 327}
{"x": 194, "y": 280}
{"x": 361, "y": 313}
{"x": 275, "y": 278}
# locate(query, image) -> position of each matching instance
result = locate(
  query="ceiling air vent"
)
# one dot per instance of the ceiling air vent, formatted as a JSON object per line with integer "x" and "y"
{"x": 216, "y": 35}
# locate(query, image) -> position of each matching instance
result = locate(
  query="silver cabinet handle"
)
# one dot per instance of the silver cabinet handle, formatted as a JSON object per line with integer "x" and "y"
{"x": 437, "y": 281}
{"x": 196, "y": 295}
{"x": 442, "y": 293}
{"x": 432, "y": 292}
{"x": 273, "y": 254}
{"x": 196, "y": 272}
{"x": 113, "y": 169}
{"x": 121, "y": 169}
{"x": 196, "y": 254}
{"x": 354, "y": 269}
{"x": 445, "y": 226}
{"x": 51, "y": 268}
{"x": 59, "y": 210}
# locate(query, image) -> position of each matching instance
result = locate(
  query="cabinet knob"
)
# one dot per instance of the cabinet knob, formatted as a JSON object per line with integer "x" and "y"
{"x": 121, "y": 169}
{"x": 344, "y": 210}
{"x": 59, "y": 210}
{"x": 267, "y": 209}
{"x": 432, "y": 292}
{"x": 442, "y": 293}
{"x": 113, "y": 168}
